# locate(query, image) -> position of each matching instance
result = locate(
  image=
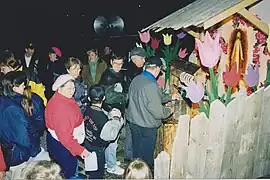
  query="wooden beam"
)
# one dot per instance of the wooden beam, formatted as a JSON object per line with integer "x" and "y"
{"x": 255, "y": 21}
{"x": 192, "y": 33}
{"x": 211, "y": 22}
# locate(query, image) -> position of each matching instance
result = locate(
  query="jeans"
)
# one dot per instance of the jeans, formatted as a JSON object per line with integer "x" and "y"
{"x": 110, "y": 154}
{"x": 128, "y": 150}
{"x": 143, "y": 142}
{"x": 100, "y": 151}
{"x": 62, "y": 156}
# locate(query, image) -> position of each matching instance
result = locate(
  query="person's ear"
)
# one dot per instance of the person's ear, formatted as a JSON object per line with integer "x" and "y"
{"x": 111, "y": 62}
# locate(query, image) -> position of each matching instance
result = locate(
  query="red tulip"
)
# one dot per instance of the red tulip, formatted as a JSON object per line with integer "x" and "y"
{"x": 231, "y": 77}
{"x": 154, "y": 43}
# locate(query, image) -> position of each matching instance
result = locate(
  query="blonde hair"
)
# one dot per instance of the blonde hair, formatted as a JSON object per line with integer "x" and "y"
{"x": 138, "y": 169}
{"x": 43, "y": 169}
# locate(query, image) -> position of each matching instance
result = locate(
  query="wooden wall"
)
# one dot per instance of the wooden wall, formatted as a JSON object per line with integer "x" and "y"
{"x": 233, "y": 143}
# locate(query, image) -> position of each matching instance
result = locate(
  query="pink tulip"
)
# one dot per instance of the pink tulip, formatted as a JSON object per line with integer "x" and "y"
{"x": 195, "y": 92}
{"x": 209, "y": 50}
{"x": 182, "y": 53}
{"x": 144, "y": 36}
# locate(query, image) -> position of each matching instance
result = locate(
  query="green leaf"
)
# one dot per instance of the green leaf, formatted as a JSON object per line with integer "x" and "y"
{"x": 228, "y": 96}
{"x": 204, "y": 108}
{"x": 223, "y": 98}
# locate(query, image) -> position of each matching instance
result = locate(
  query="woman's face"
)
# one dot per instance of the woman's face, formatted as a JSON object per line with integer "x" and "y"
{"x": 6, "y": 69}
{"x": 68, "y": 89}
{"x": 74, "y": 70}
{"x": 19, "y": 89}
{"x": 92, "y": 56}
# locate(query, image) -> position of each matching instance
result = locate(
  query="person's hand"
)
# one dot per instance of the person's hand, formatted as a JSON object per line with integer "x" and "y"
{"x": 2, "y": 175}
{"x": 84, "y": 154}
{"x": 176, "y": 96}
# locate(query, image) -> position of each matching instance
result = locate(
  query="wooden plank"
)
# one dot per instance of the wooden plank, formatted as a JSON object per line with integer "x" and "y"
{"x": 261, "y": 162}
{"x": 162, "y": 166}
{"x": 215, "y": 149}
{"x": 192, "y": 33}
{"x": 254, "y": 20}
{"x": 179, "y": 150}
{"x": 198, "y": 142}
{"x": 218, "y": 18}
{"x": 235, "y": 114}
{"x": 249, "y": 134}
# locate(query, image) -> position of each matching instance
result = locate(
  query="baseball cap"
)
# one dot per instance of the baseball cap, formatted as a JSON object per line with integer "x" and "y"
{"x": 96, "y": 92}
{"x": 154, "y": 61}
{"x": 61, "y": 80}
{"x": 138, "y": 51}
{"x": 30, "y": 46}
{"x": 56, "y": 50}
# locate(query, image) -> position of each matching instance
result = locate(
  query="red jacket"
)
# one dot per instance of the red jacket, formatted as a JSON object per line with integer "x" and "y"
{"x": 2, "y": 161}
{"x": 63, "y": 115}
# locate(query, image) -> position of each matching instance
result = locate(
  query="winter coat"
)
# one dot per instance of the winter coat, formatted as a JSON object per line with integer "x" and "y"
{"x": 15, "y": 139}
{"x": 36, "y": 125}
{"x": 86, "y": 74}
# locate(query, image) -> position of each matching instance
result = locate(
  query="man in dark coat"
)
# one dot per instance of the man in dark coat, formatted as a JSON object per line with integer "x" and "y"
{"x": 134, "y": 68}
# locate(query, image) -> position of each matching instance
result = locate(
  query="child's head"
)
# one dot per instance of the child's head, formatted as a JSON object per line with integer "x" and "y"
{"x": 42, "y": 170}
{"x": 138, "y": 169}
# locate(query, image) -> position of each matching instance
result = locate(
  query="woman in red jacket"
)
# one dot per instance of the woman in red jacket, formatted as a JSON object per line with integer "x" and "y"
{"x": 2, "y": 165}
{"x": 65, "y": 125}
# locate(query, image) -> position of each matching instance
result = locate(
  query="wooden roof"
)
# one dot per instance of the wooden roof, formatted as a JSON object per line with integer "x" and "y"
{"x": 206, "y": 13}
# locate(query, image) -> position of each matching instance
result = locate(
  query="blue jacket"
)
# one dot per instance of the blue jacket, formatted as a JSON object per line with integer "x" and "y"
{"x": 80, "y": 94}
{"x": 36, "y": 125}
{"x": 14, "y": 132}
{"x": 21, "y": 132}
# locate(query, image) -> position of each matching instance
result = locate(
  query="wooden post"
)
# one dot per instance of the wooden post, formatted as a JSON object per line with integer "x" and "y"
{"x": 179, "y": 149}
{"x": 162, "y": 166}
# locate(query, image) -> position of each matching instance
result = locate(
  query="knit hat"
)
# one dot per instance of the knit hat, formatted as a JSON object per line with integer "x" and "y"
{"x": 61, "y": 80}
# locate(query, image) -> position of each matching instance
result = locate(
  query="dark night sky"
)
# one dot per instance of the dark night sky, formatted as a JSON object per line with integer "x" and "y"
{"x": 45, "y": 22}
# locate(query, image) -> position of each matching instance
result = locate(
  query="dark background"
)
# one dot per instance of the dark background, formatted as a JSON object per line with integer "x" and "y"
{"x": 69, "y": 24}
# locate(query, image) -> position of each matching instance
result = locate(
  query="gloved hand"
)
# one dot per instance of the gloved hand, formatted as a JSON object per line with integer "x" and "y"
{"x": 118, "y": 87}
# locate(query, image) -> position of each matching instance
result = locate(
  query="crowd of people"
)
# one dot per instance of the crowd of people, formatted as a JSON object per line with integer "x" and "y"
{"x": 81, "y": 108}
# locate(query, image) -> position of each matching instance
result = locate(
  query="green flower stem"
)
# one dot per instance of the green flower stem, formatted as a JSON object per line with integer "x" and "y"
{"x": 228, "y": 96}
{"x": 254, "y": 88}
{"x": 213, "y": 83}
{"x": 147, "y": 50}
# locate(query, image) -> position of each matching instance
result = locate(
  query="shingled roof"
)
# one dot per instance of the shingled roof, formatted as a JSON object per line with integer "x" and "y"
{"x": 203, "y": 13}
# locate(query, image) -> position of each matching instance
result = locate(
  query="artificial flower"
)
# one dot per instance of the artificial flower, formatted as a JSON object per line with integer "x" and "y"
{"x": 144, "y": 36}
{"x": 252, "y": 76}
{"x": 209, "y": 50}
{"x": 231, "y": 77}
{"x": 139, "y": 45}
{"x": 155, "y": 43}
{"x": 167, "y": 39}
{"x": 195, "y": 92}
{"x": 181, "y": 35}
{"x": 182, "y": 53}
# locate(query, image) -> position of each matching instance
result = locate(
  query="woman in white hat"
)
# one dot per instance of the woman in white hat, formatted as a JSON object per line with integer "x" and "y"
{"x": 64, "y": 121}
